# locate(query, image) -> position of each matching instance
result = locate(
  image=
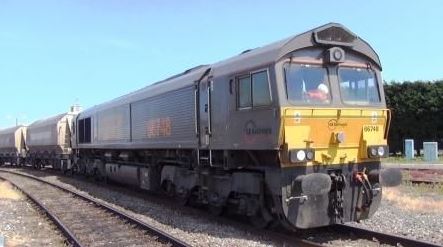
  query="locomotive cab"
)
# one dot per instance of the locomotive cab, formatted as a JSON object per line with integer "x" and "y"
{"x": 334, "y": 128}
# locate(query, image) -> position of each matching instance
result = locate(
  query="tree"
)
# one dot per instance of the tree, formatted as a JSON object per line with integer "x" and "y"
{"x": 417, "y": 112}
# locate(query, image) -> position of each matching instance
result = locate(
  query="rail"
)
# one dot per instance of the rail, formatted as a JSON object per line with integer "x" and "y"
{"x": 161, "y": 235}
{"x": 70, "y": 237}
{"x": 382, "y": 238}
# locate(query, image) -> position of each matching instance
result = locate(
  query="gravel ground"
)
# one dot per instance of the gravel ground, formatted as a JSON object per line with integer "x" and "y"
{"x": 415, "y": 217}
{"x": 92, "y": 225}
{"x": 187, "y": 225}
{"x": 419, "y": 222}
{"x": 21, "y": 224}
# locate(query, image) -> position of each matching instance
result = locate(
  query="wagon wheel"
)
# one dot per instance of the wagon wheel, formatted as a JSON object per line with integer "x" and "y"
{"x": 38, "y": 165}
{"x": 65, "y": 171}
{"x": 182, "y": 197}
{"x": 168, "y": 188}
{"x": 98, "y": 175}
{"x": 74, "y": 169}
{"x": 81, "y": 167}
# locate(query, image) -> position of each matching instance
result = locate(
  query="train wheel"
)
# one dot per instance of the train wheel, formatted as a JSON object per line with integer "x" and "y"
{"x": 99, "y": 176}
{"x": 275, "y": 223}
{"x": 262, "y": 218}
{"x": 168, "y": 188}
{"x": 182, "y": 200}
{"x": 74, "y": 169}
{"x": 216, "y": 210}
{"x": 258, "y": 221}
{"x": 182, "y": 197}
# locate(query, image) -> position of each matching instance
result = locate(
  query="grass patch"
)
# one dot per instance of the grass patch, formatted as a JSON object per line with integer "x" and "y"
{"x": 416, "y": 197}
{"x": 424, "y": 188}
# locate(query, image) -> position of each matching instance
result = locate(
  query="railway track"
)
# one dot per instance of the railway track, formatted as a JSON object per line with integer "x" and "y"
{"x": 382, "y": 238}
{"x": 338, "y": 231}
{"x": 281, "y": 239}
{"x": 420, "y": 173}
{"x": 348, "y": 232}
{"x": 85, "y": 221}
{"x": 428, "y": 176}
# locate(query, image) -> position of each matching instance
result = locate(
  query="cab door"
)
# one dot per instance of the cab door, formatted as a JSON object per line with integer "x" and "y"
{"x": 205, "y": 131}
{"x": 203, "y": 91}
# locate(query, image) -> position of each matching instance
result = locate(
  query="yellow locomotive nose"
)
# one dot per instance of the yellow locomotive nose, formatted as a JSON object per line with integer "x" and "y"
{"x": 335, "y": 136}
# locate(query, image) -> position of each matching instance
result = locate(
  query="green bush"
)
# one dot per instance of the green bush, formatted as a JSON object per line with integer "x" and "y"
{"x": 417, "y": 112}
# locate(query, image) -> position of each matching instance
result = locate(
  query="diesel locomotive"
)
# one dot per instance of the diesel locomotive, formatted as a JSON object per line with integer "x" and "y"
{"x": 291, "y": 133}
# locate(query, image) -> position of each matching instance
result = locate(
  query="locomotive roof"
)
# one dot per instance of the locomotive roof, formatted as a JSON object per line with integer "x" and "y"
{"x": 246, "y": 60}
{"x": 175, "y": 82}
{"x": 277, "y": 50}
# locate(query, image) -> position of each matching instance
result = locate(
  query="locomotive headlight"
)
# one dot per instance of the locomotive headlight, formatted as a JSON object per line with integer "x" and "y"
{"x": 335, "y": 55}
{"x": 301, "y": 155}
{"x": 381, "y": 151}
{"x": 338, "y": 55}
{"x": 310, "y": 154}
{"x": 377, "y": 151}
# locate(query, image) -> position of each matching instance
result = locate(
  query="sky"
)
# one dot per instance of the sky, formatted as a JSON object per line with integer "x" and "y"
{"x": 56, "y": 53}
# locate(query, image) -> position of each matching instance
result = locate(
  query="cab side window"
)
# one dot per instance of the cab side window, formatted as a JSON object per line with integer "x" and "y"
{"x": 253, "y": 90}
{"x": 244, "y": 92}
{"x": 260, "y": 89}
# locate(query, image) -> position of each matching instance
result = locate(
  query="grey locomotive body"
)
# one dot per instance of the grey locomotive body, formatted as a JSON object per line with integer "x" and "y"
{"x": 225, "y": 135}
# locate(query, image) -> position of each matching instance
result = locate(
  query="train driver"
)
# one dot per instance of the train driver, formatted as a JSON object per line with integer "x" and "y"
{"x": 321, "y": 93}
